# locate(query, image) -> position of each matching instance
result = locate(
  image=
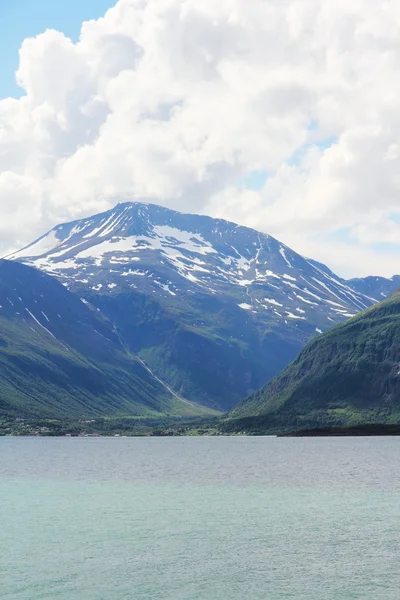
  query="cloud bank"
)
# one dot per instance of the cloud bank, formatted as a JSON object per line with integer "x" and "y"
{"x": 278, "y": 114}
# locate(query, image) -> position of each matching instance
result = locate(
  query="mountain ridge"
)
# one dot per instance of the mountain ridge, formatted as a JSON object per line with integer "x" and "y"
{"x": 375, "y": 287}
{"x": 348, "y": 376}
{"x": 214, "y": 308}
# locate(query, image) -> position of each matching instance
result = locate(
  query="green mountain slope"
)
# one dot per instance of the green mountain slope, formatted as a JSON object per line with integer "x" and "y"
{"x": 59, "y": 358}
{"x": 202, "y": 347}
{"x": 349, "y": 375}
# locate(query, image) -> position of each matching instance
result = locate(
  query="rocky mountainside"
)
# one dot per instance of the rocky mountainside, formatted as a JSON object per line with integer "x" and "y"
{"x": 59, "y": 358}
{"x": 347, "y": 376}
{"x": 377, "y": 288}
{"x": 213, "y": 308}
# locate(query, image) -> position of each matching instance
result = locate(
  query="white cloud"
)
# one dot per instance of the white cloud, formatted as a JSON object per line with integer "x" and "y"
{"x": 180, "y": 100}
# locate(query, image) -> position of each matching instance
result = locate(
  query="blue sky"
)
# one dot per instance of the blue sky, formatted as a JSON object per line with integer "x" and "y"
{"x": 20, "y": 19}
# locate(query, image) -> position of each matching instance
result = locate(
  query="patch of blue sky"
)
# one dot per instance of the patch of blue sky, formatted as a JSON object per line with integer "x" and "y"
{"x": 385, "y": 247}
{"x": 255, "y": 180}
{"x": 341, "y": 235}
{"x": 21, "y": 19}
{"x": 299, "y": 154}
{"x": 344, "y": 235}
{"x": 313, "y": 125}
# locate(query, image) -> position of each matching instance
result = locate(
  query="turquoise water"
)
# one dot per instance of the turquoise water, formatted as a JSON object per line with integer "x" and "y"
{"x": 199, "y": 518}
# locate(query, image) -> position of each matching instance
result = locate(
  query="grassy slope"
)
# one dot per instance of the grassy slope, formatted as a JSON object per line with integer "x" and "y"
{"x": 81, "y": 370}
{"x": 348, "y": 375}
{"x": 41, "y": 377}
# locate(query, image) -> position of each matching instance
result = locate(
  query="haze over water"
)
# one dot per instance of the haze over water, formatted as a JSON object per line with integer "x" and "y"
{"x": 199, "y": 518}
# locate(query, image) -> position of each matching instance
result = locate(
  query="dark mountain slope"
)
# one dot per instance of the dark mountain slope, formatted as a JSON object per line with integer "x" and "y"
{"x": 59, "y": 358}
{"x": 349, "y": 375}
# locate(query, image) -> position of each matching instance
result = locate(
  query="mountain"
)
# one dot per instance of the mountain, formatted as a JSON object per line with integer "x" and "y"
{"x": 59, "y": 358}
{"x": 375, "y": 287}
{"x": 347, "y": 376}
{"x": 213, "y": 308}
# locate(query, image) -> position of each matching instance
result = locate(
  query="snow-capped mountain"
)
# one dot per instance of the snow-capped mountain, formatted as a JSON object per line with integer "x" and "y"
{"x": 152, "y": 249}
{"x": 377, "y": 288}
{"x": 216, "y": 309}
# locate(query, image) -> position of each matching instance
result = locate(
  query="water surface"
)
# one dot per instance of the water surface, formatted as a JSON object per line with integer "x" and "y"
{"x": 199, "y": 518}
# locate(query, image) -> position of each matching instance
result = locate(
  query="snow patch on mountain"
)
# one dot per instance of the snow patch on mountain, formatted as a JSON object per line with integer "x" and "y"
{"x": 245, "y": 306}
{"x": 42, "y": 246}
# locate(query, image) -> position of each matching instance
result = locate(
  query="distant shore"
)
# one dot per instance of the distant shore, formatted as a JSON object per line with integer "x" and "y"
{"x": 358, "y": 430}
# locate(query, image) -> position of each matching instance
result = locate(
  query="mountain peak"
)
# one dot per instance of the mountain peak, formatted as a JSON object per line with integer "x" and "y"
{"x": 147, "y": 247}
